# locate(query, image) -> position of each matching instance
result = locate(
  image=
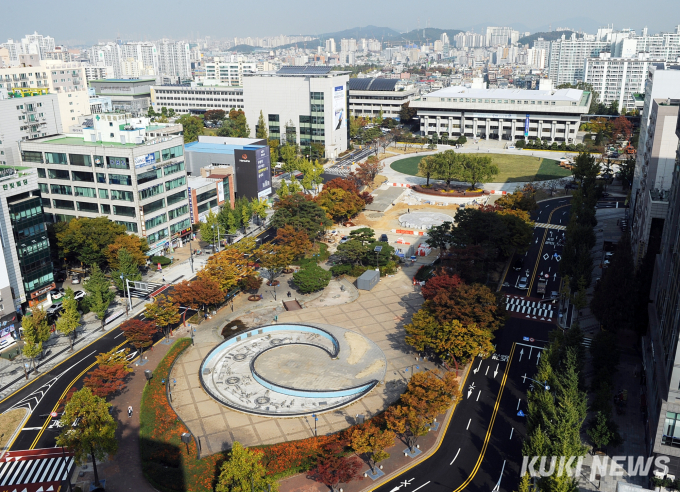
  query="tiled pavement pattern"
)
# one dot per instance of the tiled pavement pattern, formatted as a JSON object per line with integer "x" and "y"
{"x": 379, "y": 314}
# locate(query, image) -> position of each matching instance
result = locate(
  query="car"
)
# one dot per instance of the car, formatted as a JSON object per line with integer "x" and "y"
{"x": 605, "y": 194}
{"x": 79, "y": 295}
{"x": 383, "y": 238}
{"x": 344, "y": 239}
{"x": 208, "y": 251}
{"x": 523, "y": 283}
{"x": 554, "y": 294}
{"x": 56, "y": 294}
{"x": 518, "y": 264}
{"x": 54, "y": 309}
{"x": 606, "y": 262}
{"x": 75, "y": 279}
{"x": 608, "y": 254}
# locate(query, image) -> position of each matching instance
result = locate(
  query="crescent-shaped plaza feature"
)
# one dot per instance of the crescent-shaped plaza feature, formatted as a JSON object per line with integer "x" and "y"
{"x": 292, "y": 370}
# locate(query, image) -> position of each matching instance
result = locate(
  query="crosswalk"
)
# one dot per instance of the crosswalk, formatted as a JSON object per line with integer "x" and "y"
{"x": 530, "y": 309}
{"x": 556, "y": 227}
{"x": 587, "y": 342}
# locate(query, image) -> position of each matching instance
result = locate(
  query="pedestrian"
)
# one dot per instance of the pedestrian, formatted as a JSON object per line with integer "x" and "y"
{"x": 408, "y": 210}
{"x": 163, "y": 278}
{"x": 130, "y": 411}
{"x": 288, "y": 293}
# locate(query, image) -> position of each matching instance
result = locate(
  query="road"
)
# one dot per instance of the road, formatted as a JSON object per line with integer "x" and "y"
{"x": 42, "y": 395}
{"x": 482, "y": 446}
{"x": 344, "y": 166}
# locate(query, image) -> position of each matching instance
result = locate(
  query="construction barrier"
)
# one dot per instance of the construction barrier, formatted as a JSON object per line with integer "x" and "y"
{"x": 494, "y": 192}
{"x": 404, "y": 231}
{"x": 401, "y": 185}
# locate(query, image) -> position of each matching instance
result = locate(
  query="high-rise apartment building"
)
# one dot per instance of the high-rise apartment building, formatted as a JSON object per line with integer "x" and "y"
{"x": 617, "y": 79}
{"x": 568, "y": 57}
{"x": 501, "y": 36}
{"x": 115, "y": 169}
{"x": 31, "y": 44}
{"x": 330, "y": 45}
{"x": 174, "y": 59}
{"x": 348, "y": 45}
{"x": 228, "y": 71}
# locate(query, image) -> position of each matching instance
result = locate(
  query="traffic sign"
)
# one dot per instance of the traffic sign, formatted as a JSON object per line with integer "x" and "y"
{"x": 521, "y": 414}
{"x": 547, "y": 276}
{"x": 54, "y": 414}
{"x": 528, "y": 339}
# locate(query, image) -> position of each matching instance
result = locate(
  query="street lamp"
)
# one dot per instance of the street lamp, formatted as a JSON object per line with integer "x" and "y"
{"x": 544, "y": 384}
{"x": 186, "y": 439}
{"x": 315, "y": 420}
{"x": 218, "y": 236}
{"x": 128, "y": 301}
{"x": 377, "y": 250}
{"x": 148, "y": 374}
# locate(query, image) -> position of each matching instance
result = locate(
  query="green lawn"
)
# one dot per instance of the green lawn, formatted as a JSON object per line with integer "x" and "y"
{"x": 513, "y": 168}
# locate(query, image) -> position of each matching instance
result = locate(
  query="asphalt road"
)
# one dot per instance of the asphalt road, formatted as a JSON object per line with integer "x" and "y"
{"x": 482, "y": 448}
{"x": 42, "y": 395}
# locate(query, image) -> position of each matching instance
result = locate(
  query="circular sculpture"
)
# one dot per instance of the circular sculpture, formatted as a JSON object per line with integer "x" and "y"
{"x": 424, "y": 220}
{"x": 291, "y": 370}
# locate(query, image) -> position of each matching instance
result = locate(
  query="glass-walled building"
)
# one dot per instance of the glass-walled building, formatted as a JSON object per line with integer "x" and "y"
{"x": 26, "y": 274}
{"x": 114, "y": 169}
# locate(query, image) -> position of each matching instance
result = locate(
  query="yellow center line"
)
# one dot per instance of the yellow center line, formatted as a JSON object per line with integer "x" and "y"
{"x": 540, "y": 251}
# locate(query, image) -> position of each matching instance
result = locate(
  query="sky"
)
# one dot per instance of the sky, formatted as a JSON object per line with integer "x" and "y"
{"x": 77, "y": 22}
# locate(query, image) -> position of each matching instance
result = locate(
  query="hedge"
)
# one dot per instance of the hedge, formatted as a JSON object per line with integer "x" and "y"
{"x": 155, "y": 260}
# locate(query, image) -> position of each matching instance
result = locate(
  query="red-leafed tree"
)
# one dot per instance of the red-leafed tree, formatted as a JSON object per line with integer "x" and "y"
{"x": 623, "y": 127}
{"x": 368, "y": 170}
{"x": 139, "y": 333}
{"x": 332, "y": 468}
{"x": 440, "y": 283}
{"x": 110, "y": 374}
{"x": 204, "y": 292}
{"x": 349, "y": 184}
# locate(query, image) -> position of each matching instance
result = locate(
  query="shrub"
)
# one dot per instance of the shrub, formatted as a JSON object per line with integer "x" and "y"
{"x": 155, "y": 260}
{"x": 311, "y": 279}
{"x": 423, "y": 273}
{"x": 357, "y": 271}
{"x": 341, "y": 270}
{"x": 389, "y": 269}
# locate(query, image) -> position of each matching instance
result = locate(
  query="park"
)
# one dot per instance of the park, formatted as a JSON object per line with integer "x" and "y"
{"x": 512, "y": 168}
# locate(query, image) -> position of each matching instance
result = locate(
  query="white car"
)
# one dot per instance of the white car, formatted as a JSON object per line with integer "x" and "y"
{"x": 344, "y": 239}
{"x": 79, "y": 295}
{"x": 56, "y": 294}
{"x": 54, "y": 308}
{"x": 523, "y": 283}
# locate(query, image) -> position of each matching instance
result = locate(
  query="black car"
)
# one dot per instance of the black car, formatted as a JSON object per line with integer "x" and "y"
{"x": 518, "y": 264}
{"x": 383, "y": 238}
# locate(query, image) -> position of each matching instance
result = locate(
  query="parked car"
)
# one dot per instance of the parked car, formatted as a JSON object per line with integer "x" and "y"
{"x": 54, "y": 309}
{"x": 383, "y": 238}
{"x": 80, "y": 295}
{"x": 518, "y": 264}
{"x": 608, "y": 254}
{"x": 56, "y": 294}
{"x": 523, "y": 283}
{"x": 344, "y": 239}
{"x": 75, "y": 279}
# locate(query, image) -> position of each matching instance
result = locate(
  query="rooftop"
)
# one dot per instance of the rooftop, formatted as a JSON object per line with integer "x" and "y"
{"x": 377, "y": 84}
{"x": 569, "y": 95}
{"x": 216, "y": 148}
{"x": 121, "y": 81}
{"x": 72, "y": 140}
{"x": 199, "y": 181}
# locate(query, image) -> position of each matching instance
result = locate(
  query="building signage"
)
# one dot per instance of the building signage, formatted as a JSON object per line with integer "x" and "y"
{"x": 339, "y": 107}
{"x": 526, "y": 127}
{"x": 6, "y": 331}
{"x": 220, "y": 191}
{"x": 264, "y": 172}
{"x": 191, "y": 205}
{"x": 44, "y": 290}
{"x": 253, "y": 172}
{"x": 145, "y": 160}
{"x": 499, "y": 116}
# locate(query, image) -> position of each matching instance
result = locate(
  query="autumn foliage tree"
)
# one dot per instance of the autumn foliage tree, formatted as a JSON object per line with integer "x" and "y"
{"x": 164, "y": 312}
{"x": 349, "y": 184}
{"x": 134, "y": 245}
{"x": 339, "y": 204}
{"x": 228, "y": 266}
{"x": 296, "y": 242}
{"x": 333, "y": 468}
{"x": 195, "y": 294}
{"x": 371, "y": 441}
{"x": 273, "y": 258}
{"x": 110, "y": 374}
{"x": 139, "y": 333}
{"x": 369, "y": 169}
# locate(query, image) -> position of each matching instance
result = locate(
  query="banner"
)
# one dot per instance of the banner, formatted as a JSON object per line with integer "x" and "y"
{"x": 526, "y": 127}
{"x": 339, "y": 107}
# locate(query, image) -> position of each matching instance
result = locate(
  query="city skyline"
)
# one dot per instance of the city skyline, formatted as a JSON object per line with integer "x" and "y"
{"x": 220, "y": 23}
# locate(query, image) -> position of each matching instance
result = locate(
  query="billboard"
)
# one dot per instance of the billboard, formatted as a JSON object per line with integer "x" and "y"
{"x": 526, "y": 127}
{"x": 145, "y": 160}
{"x": 339, "y": 107}
{"x": 220, "y": 192}
{"x": 253, "y": 172}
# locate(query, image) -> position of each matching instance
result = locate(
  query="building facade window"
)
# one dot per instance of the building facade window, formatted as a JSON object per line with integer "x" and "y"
{"x": 173, "y": 168}
{"x": 86, "y": 192}
{"x": 80, "y": 160}
{"x": 106, "y": 209}
{"x": 63, "y": 204}
{"x": 82, "y": 176}
{"x": 120, "y": 179}
{"x": 150, "y": 175}
{"x": 42, "y": 173}
{"x": 178, "y": 212}
{"x": 117, "y": 162}
{"x": 152, "y": 191}
{"x": 153, "y": 206}
{"x": 174, "y": 183}
{"x": 156, "y": 221}
{"x": 87, "y": 207}
{"x": 59, "y": 174}
{"x": 103, "y": 194}
{"x": 180, "y": 226}
{"x": 157, "y": 236}
{"x": 127, "y": 196}
{"x": 129, "y": 226}
{"x": 31, "y": 156}
{"x": 177, "y": 197}
{"x": 173, "y": 152}
{"x": 126, "y": 211}
{"x": 55, "y": 158}
{"x": 206, "y": 195}
{"x": 60, "y": 189}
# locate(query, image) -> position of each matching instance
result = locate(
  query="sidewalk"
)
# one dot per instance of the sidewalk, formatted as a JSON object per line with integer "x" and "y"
{"x": 123, "y": 471}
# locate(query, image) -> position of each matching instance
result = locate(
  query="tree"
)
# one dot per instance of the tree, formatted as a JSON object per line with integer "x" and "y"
{"x": 407, "y": 113}
{"x": 599, "y": 431}
{"x": 88, "y": 429}
{"x": 70, "y": 317}
{"x": 110, "y": 374}
{"x": 311, "y": 279}
{"x": 209, "y": 229}
{"x": 164, "y": 312}
{"x": 288, "y": 155}
{"x": 340, "y": 205}
{"x": 273, "y": 259}
{"x": 446, "y": 166}
{"x": 450, "y": 340}
{"x": 524, "y": 199}
{"x": 295, "y": 241}
{"x": 35, "y": 328}
{"x": 585, "y": 168}
{"x": 352, "y": 252}
{"x": 622, "y": 127}
{"x": 426, "y": 168}
{"x": 470, "y": 304}
{"x": 139, "y": 333}
{"x": 349, "y": 184}
{"x": 259, "y": 207}
{"x": 134, "y": 245}
{"x": 195, "y": 294}
{"x": 261, "y": 128}
{"x": 408, "y": 422}
{"x": 229, "y": 266}
{"x": 439, "y": 236}
{"x": 302, "y": 213}
{"x": 192, "y": 127}
{"x": 274, "y": 144}
{"x": 371, "y": 441}
{"x": 332, "y": 468}
{"x": 100, "y": 295}
{"x": 236, "y": 126}
{"x": 477, "y": 169}
{"x": 214, "y": 115}
{"x": 128, "y": 269}
{"x": 627, "y": 171}
{"x": 244, "y": 472}
{"x": 87, "y": 240}
{"x": 363, "y": 234}
{"x": 369, "y": 169}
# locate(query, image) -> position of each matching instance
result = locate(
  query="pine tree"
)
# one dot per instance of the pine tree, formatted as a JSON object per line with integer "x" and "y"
{"x": 100, "y": 295}
{"x": 261, "y": 127}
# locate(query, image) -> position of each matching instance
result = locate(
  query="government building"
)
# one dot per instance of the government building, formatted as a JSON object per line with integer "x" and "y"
{"x": 508, "y": 114}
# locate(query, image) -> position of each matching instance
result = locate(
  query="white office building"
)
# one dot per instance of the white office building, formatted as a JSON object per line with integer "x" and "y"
{"x": 617, "y": 79}
{"x": 194, "y": 98}
{"x": 507, "y": 114}
{"x": 304, "y": 105}
{"x": 370, "y": 96}
{"x": 115, "y": 169}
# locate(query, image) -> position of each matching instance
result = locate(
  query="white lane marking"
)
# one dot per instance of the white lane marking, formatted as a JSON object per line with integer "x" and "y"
{"x": 468, "y": 426}
{"x": 478, "y": 395}
{"x": 487, "y": 370}
{"x": 423, "y": 485}
{"x": 454, "y": 458}
{"x": 31, "y": 428}
{"x": 119, "y": 335}
{"x": 518, "y": 402}
{"x": 513, "y": 430}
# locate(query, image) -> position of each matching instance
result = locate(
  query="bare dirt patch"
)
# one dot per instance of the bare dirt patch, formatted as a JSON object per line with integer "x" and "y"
{"x": 9, "y": 421}
{"x": 390, "y": 219}
{"x": 358, "y": 347}
{"x": 376, "y": 366}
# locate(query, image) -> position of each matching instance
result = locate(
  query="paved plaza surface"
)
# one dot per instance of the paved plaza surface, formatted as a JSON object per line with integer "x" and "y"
{"x": 379, "y": 315}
